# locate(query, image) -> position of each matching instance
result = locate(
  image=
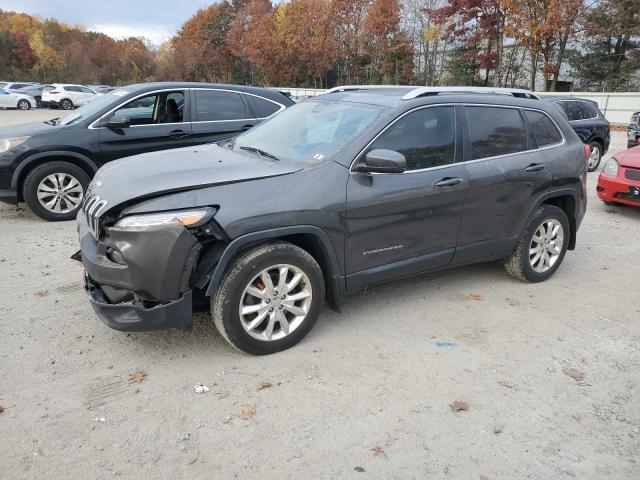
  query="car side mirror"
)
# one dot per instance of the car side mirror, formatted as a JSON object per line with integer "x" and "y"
{"x": 381, "y": 160}
{"x": 119, "y": 121}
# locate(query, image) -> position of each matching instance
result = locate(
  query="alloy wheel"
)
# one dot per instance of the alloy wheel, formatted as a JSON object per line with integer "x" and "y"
{"x": 60, "y": 193}
{"x": 67, "y": 105}
{"x": 594, "y": 158}
{"x": 546, "y": 245}
{"x": 275, "y": 302}
{"x": 23, "y": 105}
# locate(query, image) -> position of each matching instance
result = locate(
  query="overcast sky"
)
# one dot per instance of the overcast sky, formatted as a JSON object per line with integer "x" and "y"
{"x": 156, "y": 20}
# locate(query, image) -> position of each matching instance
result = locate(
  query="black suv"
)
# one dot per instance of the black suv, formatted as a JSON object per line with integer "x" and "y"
{"x": 633, "y": 132}
{"x": 50, "y": 164}
{"x": 589, "y": 123}
{"x": 338, "y": 192}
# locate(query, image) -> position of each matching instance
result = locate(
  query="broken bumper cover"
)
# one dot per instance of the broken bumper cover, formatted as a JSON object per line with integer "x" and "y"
{"x": 138, "y": 279}
{"x": 132, "y": 317}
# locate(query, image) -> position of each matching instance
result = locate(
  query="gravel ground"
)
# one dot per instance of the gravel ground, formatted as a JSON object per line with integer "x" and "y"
{"x": 549, "y": 373}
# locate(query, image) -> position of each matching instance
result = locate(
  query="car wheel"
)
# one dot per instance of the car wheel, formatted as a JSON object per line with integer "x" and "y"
{"x": 54, "y": 191}
{"x": 596, "y": 155}
{"x": 542, "y": 246}
{"x": 269, "y": 299}
{"x": 24, "y": 104}
{"x": 38, "y": 102}
{"x": 66, "y": 104}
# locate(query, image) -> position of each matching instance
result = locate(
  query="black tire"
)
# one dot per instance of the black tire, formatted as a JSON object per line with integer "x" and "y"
{"x": 225, "y": 303}
{"x": 38, "y": 101}
{"x": 66, "y": 104}
{"x": 518, "y": 264}
{"x": 23, "y": 104}
{"x": 595, "y": 145}
{"x": 33, "y": 179}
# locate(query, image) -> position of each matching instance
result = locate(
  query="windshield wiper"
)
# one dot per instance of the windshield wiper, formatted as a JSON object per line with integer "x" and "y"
{"x": 53, "y": 121}
{"x": 262, "y": 153}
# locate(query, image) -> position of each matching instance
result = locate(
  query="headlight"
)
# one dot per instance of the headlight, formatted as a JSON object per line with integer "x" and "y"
{"x": 9, "y": 143}
{"x": 186, "y": 218}
{"x": 611, "y": 167}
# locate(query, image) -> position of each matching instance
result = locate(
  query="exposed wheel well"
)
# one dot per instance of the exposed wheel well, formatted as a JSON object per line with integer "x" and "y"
{"x": 54, "y": 158}
{"x": 568, "y": 204}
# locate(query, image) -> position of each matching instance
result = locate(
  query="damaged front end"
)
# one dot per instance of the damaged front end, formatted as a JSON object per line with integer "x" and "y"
{"x": 141, "y": 270}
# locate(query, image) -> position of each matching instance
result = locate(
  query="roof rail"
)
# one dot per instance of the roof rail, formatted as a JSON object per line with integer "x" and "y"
{"x": 350, "y": 88}
{"x": 424, "y": 91}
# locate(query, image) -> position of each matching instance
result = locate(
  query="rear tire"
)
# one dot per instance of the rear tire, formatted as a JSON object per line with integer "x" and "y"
{"x": 66, "y": 104}
{"x": 524, "y": 263}
{"x": 243, "y": 288}
{"x": 596, "y": 155}
{"x": 62, "y": 180}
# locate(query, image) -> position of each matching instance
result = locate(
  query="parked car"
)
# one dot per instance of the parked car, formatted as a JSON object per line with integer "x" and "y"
{"x": 619, "y": 180}
{"x": 589, "y": 123}
{"x": 101, "y": 88}
{"x": 341, "y": 191}
{"x": 16, "y": 100}
{"x": 30, "y": 89}
{"x": 633, "y": 132}
{"x": 66, "y": 96}
{"x": 48, "y": 165}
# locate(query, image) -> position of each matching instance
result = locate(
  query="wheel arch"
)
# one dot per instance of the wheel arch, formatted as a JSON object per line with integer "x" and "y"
{"x": 566, "y": 202}
{"x": 310, "y": 238}
{"x": 26, "y": 166}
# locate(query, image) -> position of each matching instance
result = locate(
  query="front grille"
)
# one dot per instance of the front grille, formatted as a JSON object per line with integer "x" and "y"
{"x": 92, "y": 206}
{"x": 632, "y": 174}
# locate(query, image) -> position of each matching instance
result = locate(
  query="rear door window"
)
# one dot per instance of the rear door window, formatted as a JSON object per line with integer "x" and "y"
{"x": 544, "y": 130}
{"x": 495, "y": 131}
{"x": 218, "y": 105}
{"x": 426, "y": 137}
{"x": 261, "y": 107}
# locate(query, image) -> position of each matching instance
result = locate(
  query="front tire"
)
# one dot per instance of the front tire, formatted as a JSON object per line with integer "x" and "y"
{"x": 596, "y": 156}
{"x": 24, "y": 104}
{"x": 54, "y": 190}
{"x": 542, "y": 246}
{"x": 269, "y": 299}
{"x": 66, "y": 104}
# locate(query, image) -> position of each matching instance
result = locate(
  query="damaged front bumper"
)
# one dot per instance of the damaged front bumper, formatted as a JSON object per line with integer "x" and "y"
{"x": 138, "y": 278}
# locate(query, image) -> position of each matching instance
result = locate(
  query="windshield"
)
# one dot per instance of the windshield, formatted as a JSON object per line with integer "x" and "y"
{"x": 93, "y": 107}
{"x": 309, "y": 131}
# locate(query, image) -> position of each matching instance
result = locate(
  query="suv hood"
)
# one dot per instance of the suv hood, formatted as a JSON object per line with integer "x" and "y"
{"x": 167, "y": 171}
{"x": 27, "y": 129}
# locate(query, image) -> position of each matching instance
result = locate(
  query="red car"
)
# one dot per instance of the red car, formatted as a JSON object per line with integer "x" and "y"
{"x": 619, "y": 181}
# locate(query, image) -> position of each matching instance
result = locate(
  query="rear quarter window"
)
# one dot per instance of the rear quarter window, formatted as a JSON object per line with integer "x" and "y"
{"x": 544, "y": 130}
{"x": 261, "y": 107}
{"x": 495, "y": 131}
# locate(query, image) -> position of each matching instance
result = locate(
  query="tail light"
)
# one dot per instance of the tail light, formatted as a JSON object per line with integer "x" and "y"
{"x": 587, "y": 150}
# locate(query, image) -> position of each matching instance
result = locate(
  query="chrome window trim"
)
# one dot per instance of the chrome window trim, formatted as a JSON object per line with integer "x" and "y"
{"x": 282, "y": 106}
{"x": 464, "y": 162}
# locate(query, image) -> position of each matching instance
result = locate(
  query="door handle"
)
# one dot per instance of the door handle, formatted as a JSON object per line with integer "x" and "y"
{"x": 178, "y": 133}
{"x": 245, "y": 128}
{"x": 449, "y": 182}
{"x": 535, "y": 167}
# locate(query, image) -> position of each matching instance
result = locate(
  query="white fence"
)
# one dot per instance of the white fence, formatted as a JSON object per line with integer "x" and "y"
{"x": 616, "y": 106}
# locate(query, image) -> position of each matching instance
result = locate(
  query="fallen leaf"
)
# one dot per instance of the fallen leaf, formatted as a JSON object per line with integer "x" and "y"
{"x": 512, "y": 301}
{"x": 578, "y": 418}
{"x": 1, "y": 409}
{"x": 247, "y": 411}
{"x": 475, "y": 296}
{"x": 574, "y": 373}
{"x": 505, "y": 383}
{"x": 358, "y": 469}
{"x": 459, "y": 405}
{"x": 41, "y": 293}
{"x": 222, "y": 394}
{"x": 137, "y": 377}
{"x": 378, "y": 452}
{"x": 137, "y": 390}
{"x": 483, "y": 477}
{"x": 263, "y": 385}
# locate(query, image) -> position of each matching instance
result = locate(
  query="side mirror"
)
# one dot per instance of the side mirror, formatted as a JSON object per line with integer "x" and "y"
{"x": 119, "y": 121}
{"x": 383, "y": 161}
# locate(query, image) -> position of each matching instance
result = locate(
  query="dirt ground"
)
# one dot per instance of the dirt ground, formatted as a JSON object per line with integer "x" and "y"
{"x": 549, "y": 373}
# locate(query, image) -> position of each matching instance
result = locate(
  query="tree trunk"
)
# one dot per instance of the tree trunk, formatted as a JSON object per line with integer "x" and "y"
{"x": 561, "y": 50}
{"x": 533, "y": 53}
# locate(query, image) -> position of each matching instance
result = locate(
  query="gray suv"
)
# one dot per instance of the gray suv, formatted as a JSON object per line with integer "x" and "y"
{"x": 348, "y": 189}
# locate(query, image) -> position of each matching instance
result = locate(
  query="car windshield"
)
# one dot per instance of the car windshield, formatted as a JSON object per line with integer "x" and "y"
{"x": 310, "y": 131}
{"x": 93, "y": 107}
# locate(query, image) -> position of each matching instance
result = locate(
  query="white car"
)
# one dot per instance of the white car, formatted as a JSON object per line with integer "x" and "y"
{"x": 66, "y": 96}
{"x": 16, "y": 100}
